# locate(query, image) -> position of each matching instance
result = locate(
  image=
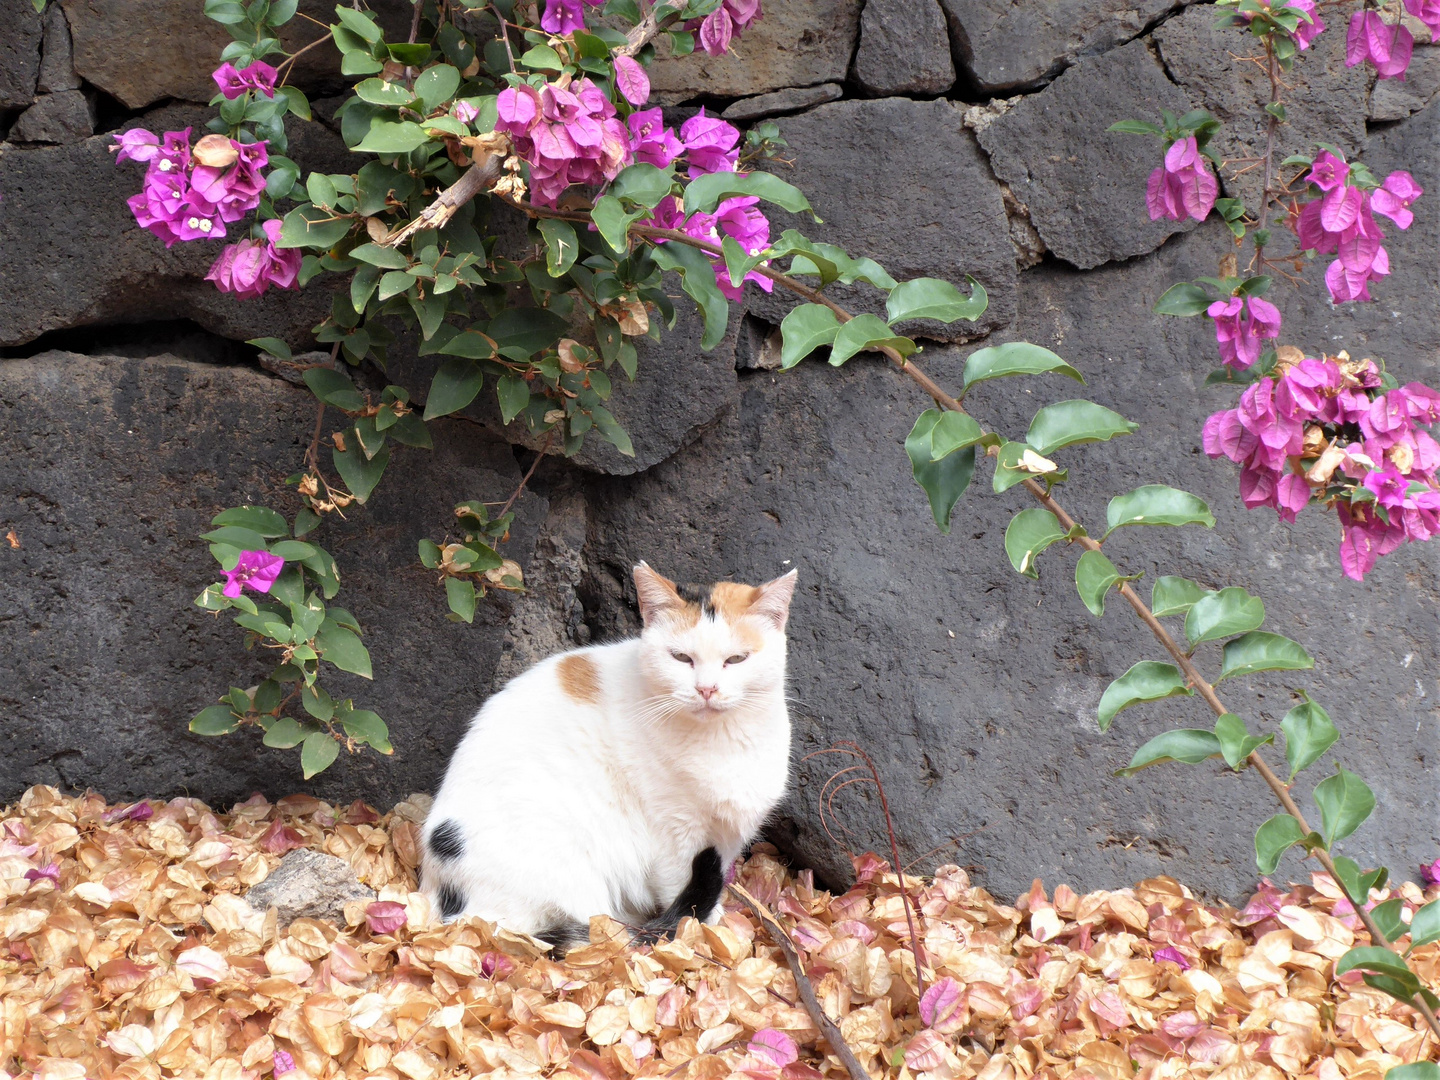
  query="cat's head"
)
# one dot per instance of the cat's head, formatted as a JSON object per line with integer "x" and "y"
{"x": 712, "y": 650}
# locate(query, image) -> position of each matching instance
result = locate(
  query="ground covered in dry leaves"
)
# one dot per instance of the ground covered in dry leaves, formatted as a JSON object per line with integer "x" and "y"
{"x": 128, "y": 953}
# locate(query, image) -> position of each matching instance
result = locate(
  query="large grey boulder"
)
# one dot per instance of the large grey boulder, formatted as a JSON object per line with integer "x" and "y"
{"x": 1327, "y": 100}
{"x": 939, "y": 215}
{"x": 57, "y": 59}
{"x": 904, "y": 49}
{"x": 21, "y": 31}
{"x": 1009, "y": 46}
{"x": 1085, "y": 186}
{"x": 797, "y": 43}
{"x": 113, "y": 467}
{"x": 71, "y": 253}
{"x": 66, "y": 116}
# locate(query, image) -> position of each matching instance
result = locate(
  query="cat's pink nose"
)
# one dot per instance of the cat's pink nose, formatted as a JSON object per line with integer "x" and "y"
{"x": 707, "y": 692}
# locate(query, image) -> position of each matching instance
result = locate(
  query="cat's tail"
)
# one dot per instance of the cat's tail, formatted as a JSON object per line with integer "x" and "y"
{"x": 698, "y": 899}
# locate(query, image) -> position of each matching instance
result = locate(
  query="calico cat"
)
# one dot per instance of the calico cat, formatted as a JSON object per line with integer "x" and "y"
{"x": 620, "y": 779}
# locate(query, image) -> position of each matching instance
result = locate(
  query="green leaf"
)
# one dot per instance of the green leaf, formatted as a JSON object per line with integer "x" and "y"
{"x": 392, "y": 137}
{"x": 1345, "y": 802}
{"x": 383, "y": 257}
{"x": 529, "y": 329}
{"x": 932, "y": 298}
{"x": 429, "y": 554}
{"x": 460, "y": 593}
{"x": 698, "y": 281}
{"x": 612, "y": 220}
{"x": 1156, "y": 504}
{"x": 273, "y": 346}
{"x": 364, "y": 726}
{"x": 1148, "y": 680}
{"x": 216, "y": 720}
{"x": 644, "y": 184}
{"x": 456, "y": 384}
{"x": 1014, "y": 358}
{"x": 359, "y": 62}
{"x": 333, "y": 388}
{"x": 1174, "y": 595}
{"x": 1309, "y": 732}
{"x": 317, "y": 702}
{"x": 258, "y": 519}
{"x": 953, "y": 431}
{"x": 285, "y": 733}
{"x": 1378, "y": 959}
{"x": 1136, "y": 127}
{"x": 359, "y": 23}
{"x": 317, "y": 753}
{"x": 943, "y": 481}
{"x": 1183, "y": 300}
{"x": 1358, "y": 885}
{"x": 1094, "y": 577}
{"x": 542, "y": 58}
{"x": 237, "y": 536}
{"x": 739, "y": 262}
{"x": 1009, "y": 471}
{"x": 514, "y": 395}
{"x": 437, "y": 85}
{"x": 561, "y": 247}
{"x": 705, "y": 192}
{"x": 1259, "y": 651}
{"x": 1189, "y": 746}
{"x": 1068, "y": 423}
{"x": 1236, "y": 742}
{"x": 360, "y": 473}
{"x": 343, "y": 649}
{"x": 1029, "y": 533}
{"x": 1419, "y": 1070}
{"x": 1221, "y": 614}
{"x": 293, "y": 550}
{"x": 1425, "y": 926}
{"x": 1274, "y": 838}
{"x": 309, "y": 226}
{"x": 804, "y": 330}
{"x": 865, "y": 332}
{"x": 610, "y": 429}
{"x": 1387, "y": 918}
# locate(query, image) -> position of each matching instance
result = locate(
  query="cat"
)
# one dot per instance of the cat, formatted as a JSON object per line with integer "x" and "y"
{"x": 620, "y": 779}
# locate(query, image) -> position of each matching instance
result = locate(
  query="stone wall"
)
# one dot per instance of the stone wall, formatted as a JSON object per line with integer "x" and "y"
{"x": 943, "y": 137}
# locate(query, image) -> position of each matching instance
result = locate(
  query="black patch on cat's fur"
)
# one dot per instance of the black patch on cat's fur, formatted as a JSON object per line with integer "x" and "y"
{"x": 446, "y": 842}
{"x": 452, "y": 902}
{"x": 699, "y": 595}
{"x": 564, "y": 934}
{"x": 698, "y": 898}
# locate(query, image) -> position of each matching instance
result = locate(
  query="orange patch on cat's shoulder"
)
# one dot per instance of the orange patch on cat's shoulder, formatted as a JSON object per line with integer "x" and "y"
{"x": 731, "y": 599}
{"x": 579, "y": 678}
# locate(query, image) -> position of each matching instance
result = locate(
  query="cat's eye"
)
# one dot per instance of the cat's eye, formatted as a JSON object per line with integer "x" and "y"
{"x": 738, "y": 658}
{"x": 682, "y": 658}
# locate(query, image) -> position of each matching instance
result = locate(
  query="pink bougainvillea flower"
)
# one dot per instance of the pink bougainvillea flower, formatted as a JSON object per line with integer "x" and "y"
{"x": 140, "y": 811}
{"x": 258, "y": 76}
{"x": 1174, "y": 955}
{"x": 1430, "y": 872}
{"x": 464, "y": 112}
{"x": 50, "y": 872}
{"x": 710, "y": 144}
{"x": 565, "y": 16}
{"x": 725, "y": 23}
{"x": 256, "y": 570}
{"x": 283, "y": 1064}
{"x": 1183, "y": 186}
{"x": 248, "y": 269}
{"x": 1393, "y": 198}
{"x": 233, "y": 189}
{"x": 632, "y": 81}
{"x": 137, "y": 144}
{"x": 779, "y": 1047}
{"x": 941, "y": 1005}
{"x": 1427, "y": 11}
{"x": 1241, "y": 324}
{"x": 494, "y": 965}
{"x": 567, "y": 136}
{"x": 651, "y": 141}
{"x": 1306, "y": 32}
{"x": 1386, "y": 46}
{"x": 385, "y": 916}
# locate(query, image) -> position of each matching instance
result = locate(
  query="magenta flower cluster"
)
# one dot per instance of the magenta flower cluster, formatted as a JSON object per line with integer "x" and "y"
{"x": 725, "y": 23}
{"x": 256, "y": 570}
{"x": 1184, "y": 186}
{"x": 1388, "y": 47}
{"x": 258, "y": 76}
{"x": 565, "y": 16}
{"x": 568, "y": 136}
{"x": 183, "y": 199}
{"x": 250, "y": 267}
{"x": 1241, "y": 325}
{"x": 738, "y": 218}
{"x": 1325, "y": 429}
{"x": 1342, "y": 222}
{"x": 1306, "y": 32}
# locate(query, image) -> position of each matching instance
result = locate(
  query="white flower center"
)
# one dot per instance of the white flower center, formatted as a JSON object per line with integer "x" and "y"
{"x": 204, "y": 226}
{"x": 166, "y": 164}
{"x": 194, "y": 223}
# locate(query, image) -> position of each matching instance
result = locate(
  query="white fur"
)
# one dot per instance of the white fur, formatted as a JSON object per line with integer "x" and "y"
{"x": 569, "y": 810}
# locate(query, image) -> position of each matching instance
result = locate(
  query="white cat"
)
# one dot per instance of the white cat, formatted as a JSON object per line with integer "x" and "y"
{"x": 620, "y": 779}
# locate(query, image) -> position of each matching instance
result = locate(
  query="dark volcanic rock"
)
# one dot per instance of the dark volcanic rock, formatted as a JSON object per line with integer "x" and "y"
{"x": 782, "y": 101}
{"x": 1327, "y": 100}
{"x": 114, "y": 467}
{"x": 1395, "y": 99}
{"x": 903, "y": 49}
{"x": 63, "y": 117}
{"x": 940, "y": 215}
{"x": 21, "y": 31}
{"x": 57, "y": 58}
{"x": 71, "y": 253}
{"x": 1085, "y": 186}
{"x": 1006, "y": 46}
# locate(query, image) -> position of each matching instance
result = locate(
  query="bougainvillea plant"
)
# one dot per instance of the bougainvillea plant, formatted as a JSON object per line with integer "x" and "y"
{"x": 545, "y": 112}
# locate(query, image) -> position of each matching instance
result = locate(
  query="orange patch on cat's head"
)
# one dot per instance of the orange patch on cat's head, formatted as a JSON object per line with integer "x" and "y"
{"x": 730, "y": 600}
{"x": 579, "y": 678}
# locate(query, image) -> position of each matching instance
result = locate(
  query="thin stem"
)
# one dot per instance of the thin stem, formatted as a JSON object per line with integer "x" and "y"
{"x": 549, "y": 437}
{"x": 289, "y": 63}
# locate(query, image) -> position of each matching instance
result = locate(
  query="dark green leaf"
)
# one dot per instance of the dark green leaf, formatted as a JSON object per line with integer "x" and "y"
{"x": 514, "y": 395}
{"x": 643, "y": 184}
{"x": 364, "y": 726}
{"x": 1068, "y": 423}
{"x": 1094, "y": 577}
{"x": 1184, "y": 300}
{"x": 1277, "y": 836}
{"x": 1345, "y": 801}
{"x": 865, "y": 332}
{"x": 1378, "y": 959}
{"x": 1148, "y": 680}
{"x": 531, "y": 329}
{"x": 1357, "y": 884}
{"x": 610, "y": 429}
{"x": 334, "y": 388}
{"x": 943, "y": 481}
{"x": 456, "y": 383}
{"x": 1387, "y": 918}
{"x": 258, "y": 519}
{"x": 1425, "y": 926}
{"x": 392, "y": 137}
{"x": 612, "y": 220}
{"x": 360, "y": 473}
{"x": 953, "y": 431}
{"x": 932, "y": 298}
{"x": 698, "y": 280}
{"x": 1156, "y": 504}
{"x": 1189, "y": 746}
{"x": 804, "y": 330}
{"x": 436, "y": 85}
{"x": 273, "y": 346}
{"x": 317, "y": 702}
{"x": 542, "y": 58}
{"x": 293, "y": 550}
{"x": 1029, "y": 533}
{"x": 309, "y": 226}
{"x": 561, "y": 247}
{"x": 359, "y": 23}
{"x": 1259, "y": 651}
{"x": 1309, "y": 732}
{"x": 216, "y": 720}
{"x": 286, "y": 732}
{"x": 1219, "y": 615}
{"x": 1175, "y": 595}
{"x": 383, "y": 257}
{"x": 1420, "y": 1070}
{"x": 236, "y": 536}
{"x": 1236, "y": 742}
{"x": 460, "y": 593}
{"x": 1014, "y": 358}
{"x": 317, "y": 753}
{"x": 705, "y": 192}
{"x": 1010, "y": 469}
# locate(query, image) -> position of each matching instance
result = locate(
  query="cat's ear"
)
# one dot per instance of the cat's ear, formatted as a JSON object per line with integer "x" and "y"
{"x": 772, "y": 599}
{"x": 654, "y": 592}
